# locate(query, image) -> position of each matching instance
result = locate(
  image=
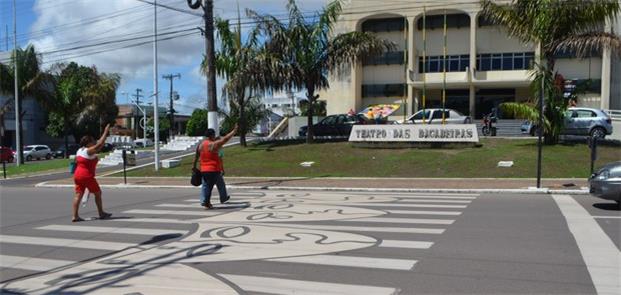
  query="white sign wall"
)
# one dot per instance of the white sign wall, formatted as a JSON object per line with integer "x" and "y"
{"x": 414, "y": 133}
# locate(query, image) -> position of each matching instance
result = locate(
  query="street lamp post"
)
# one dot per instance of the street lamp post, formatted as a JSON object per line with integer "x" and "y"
{"x": 18, "y": 136}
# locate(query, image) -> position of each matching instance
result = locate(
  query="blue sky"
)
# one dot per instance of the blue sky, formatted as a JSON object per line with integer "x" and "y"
{"x": 58, "y": 27}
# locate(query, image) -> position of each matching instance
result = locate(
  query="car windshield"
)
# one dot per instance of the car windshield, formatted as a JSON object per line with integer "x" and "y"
{"x": 419, "y": 115}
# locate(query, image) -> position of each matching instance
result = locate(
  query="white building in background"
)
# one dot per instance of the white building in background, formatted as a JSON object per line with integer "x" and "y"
{"x": 484, "y": 66}
{"x": 283, "y": 103}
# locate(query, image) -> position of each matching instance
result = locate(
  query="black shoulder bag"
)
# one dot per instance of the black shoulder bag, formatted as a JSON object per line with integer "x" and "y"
{"x": 196, "y": 179}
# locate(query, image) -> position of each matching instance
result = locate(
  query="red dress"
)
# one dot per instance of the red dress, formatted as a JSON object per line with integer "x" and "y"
{"x": 84, "y": 175}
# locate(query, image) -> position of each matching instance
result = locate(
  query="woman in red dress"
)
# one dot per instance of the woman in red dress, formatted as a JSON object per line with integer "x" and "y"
{"x": 84, "y": 175}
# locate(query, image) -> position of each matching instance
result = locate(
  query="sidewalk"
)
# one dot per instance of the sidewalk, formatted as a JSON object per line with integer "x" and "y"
{"x": 518, "y": 185}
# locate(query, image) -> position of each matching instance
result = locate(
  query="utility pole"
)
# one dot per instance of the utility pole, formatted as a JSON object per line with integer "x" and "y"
{"x": 19, "y": 156}
{"x": 212, "y": 106}
{"x": 156, "y": 119}
{"x": 171, "y": 116}
{"x": 137, "y": 96}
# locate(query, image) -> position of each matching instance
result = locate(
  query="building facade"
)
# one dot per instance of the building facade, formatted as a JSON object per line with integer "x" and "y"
{"x": 484, "y": 66}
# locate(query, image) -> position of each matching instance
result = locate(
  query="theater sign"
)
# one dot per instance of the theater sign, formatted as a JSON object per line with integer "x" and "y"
{"x": 414, "y": 133}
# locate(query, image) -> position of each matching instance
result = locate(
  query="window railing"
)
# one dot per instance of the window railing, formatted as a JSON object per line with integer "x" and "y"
{"x": 383, "y": 90}
{"x": 388, "y": 58}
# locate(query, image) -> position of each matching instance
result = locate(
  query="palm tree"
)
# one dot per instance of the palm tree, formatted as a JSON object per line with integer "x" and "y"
{"x": 557, "y": 26}
{"x": 306, "y": 51}
{"x": 31, "y": 80}
{"x": 235, "y": 61}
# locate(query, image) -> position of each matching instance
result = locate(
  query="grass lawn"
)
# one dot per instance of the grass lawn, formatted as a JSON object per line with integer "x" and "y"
{"x": 32, "y": 167}
{"x": 343, "y": 160}
{"x": 37, "y": 166}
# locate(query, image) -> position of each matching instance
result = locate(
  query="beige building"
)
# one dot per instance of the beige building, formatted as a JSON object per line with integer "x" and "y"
{"x": 484, "y": 66}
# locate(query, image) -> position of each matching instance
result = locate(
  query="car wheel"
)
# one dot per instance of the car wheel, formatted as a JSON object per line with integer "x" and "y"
{"x": 598, "y": 133}
{"x": 29, "y": 158}
{"x": 48, "y": 156}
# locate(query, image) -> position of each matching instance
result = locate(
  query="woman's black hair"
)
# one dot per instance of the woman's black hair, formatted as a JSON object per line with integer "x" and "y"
{"x": 85, "y": 140}
{"x": 211, "y": 133}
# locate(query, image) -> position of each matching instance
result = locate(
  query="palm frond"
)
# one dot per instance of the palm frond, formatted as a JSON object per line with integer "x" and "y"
{"x": 518, "y": 18}
{"x": 584, "y": 44}
{"x": 352, "y": 47}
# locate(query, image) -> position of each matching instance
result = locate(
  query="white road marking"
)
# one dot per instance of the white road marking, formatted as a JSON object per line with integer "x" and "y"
{"x": 414, "y": 201}
{"x": 351, "y": 261}
{"x": 34, "y": 264}
{"x": 438, "y": 196}
{"x": 111, "y": 230}
{"x": 155, "y": 220}
{"x": 405, "y": 244}
{"x": 604, "y": 217}
{"x": 202, "y": 212}
{"x": 299, "y": 287}
{"x": 402, "y": 220}
{"x": 410, "y": 230}
{"x": 177, "y": 205}
{"x": 601, "y": 256}
{"x": 411, "y": 205}
{"x": 452, "y": 213}
{"x": 71, "y": 243}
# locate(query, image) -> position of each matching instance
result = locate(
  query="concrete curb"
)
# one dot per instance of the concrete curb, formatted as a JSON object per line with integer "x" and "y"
{"x": 339, "y": 189}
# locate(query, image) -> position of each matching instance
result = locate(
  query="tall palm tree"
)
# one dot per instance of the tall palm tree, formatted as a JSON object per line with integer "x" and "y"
{"x": 305, "y": 51}
{"x": 31, "y": 80}
{"x": 236, "y": 61}
{"x": 557, "y": 26}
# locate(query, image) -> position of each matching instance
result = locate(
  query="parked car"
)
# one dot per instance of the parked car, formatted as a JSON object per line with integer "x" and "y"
{"x": 434, "y": 116}
{"x": 580, "y": 122}
{"x": 60, "y": 152}
{"x": 606, "y": 182}
{"x": 335, "y": 125}
{"x": 141, "y": 143}
{"x": 32, "y": 152}
{"x": 6, "y": 155}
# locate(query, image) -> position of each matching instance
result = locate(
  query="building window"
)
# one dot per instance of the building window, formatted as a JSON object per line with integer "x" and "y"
{"x": 388, "y": 58}
{"x": 383, "y": 90}
{"x": 437, "y": 21}
{"x": 505, "y": 61}
{"x": 384, "y": 25}
{"x": 435, "y": 64}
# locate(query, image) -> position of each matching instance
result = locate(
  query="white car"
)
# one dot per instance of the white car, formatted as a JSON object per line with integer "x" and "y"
{"x": 141, "y": 143}
{"x": 434, "y": 116}
{"x": 32, "y": 152}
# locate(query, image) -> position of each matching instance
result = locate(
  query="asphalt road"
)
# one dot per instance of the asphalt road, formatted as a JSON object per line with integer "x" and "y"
{"x": 268, "y": 242}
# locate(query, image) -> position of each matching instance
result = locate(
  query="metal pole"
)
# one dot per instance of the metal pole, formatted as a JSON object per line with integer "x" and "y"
{"x": 156, "y": 121}
{"x": 424, "y": 62}
{"x": 211, "y": 67}
{"x": 18, "y": 127}
{"x": 540, "y": 127}
{"x": 4, "y": 169}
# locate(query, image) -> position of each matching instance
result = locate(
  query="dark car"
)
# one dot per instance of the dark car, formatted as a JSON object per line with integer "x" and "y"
{"x": 335, "y": 125}
{"x": 60, "y": 152}
{"x": 606, "y": 182}
{"x": 6, "y": 155}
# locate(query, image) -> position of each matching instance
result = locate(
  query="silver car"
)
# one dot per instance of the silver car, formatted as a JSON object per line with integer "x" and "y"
{"x": 434, "y": 116}
{"x": 32, "y": 152}
{"x": 606, "y": 182}
{"x": 581, "y": 122}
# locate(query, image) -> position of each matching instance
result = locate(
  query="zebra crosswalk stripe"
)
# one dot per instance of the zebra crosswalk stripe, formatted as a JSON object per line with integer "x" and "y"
{"x": 172, "y": 212}
{"x": 402, "y": 220}
{"x": 412, "y": 205}
{"x": 414, "y": 201}
{"x": 409, "y": 230}
{"x": 110, "y": 230}
{"x": 30, "y": 263}
{"x": 420, "y": 212}
{"x": 301, "y": 287}
{"x": 58, "y": 242}
{"x": 405, "y": 244}
{"x": 351, "y": 261}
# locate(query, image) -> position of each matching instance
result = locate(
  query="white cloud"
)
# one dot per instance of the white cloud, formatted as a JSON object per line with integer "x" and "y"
{"x": 79, "y": 23}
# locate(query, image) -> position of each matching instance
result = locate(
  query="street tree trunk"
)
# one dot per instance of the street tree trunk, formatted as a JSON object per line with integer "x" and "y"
{"x": 311, "y": 101}
{"x": 243, "y": 129}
